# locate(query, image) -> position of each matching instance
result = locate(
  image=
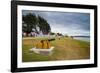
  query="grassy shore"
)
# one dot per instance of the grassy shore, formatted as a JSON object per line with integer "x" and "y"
{"x": 65, "y": 49}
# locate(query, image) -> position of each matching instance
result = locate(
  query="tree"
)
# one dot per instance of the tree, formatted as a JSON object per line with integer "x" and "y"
{"x": 44, "y": 25}
{"x": 30, "y": 20}
{"x": 52, "y": 33}
{"x": 59, "y": 34}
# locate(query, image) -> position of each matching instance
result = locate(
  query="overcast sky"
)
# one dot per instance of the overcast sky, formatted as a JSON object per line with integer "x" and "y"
{"x": 70, "y": 23}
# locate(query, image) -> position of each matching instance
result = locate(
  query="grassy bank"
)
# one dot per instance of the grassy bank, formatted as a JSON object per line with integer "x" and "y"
{"x": 65, "y": 49}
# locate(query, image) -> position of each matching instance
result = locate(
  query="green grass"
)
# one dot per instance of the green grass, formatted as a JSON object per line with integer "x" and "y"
{"x": 65, "y": 49}
{"x": 29, "y": 56}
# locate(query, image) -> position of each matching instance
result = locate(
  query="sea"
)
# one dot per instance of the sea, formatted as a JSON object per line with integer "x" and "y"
{"x": 87, "y": 39}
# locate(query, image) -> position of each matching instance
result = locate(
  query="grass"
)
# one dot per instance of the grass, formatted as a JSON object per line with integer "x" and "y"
{"x": 65, "y": 49}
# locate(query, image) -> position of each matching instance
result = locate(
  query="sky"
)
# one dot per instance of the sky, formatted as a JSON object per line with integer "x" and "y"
{"x": 67, "y": 23}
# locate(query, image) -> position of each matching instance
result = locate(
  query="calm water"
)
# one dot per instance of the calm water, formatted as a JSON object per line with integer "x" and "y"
{"x": 83, "y": 38}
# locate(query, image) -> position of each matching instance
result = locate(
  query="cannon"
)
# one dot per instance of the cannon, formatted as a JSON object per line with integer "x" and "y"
{"x": 43, "y": 47}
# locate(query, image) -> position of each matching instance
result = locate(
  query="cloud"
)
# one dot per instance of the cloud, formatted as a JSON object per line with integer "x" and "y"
{"x": 65, "y": 22}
